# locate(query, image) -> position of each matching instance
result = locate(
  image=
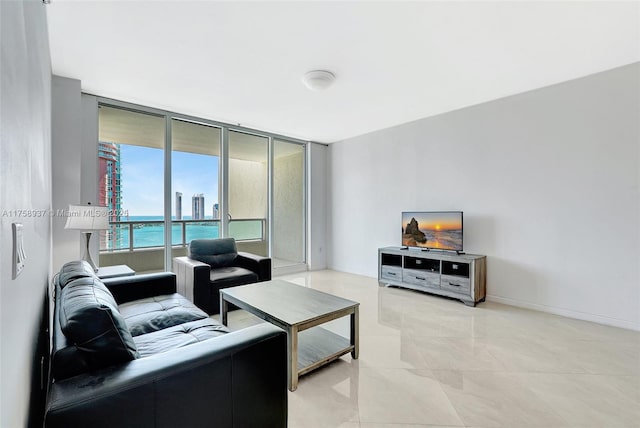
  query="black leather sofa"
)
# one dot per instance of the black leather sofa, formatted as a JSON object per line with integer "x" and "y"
{"x": 214, "y": 264}
{"x": 130, "y": 352}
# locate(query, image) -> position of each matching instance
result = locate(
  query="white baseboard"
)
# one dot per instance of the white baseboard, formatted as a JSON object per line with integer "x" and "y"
{"x": 615, "y": 322}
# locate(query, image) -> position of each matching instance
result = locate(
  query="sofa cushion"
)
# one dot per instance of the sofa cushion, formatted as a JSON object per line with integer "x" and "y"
{"x": 158, "y": 312}
{"x": 89, "y": 318}
{"x": 214, "y": 252}
{"x": 178, "y": 336}
{"x": 232, "y": 276}
{"x": 74, "y": 270}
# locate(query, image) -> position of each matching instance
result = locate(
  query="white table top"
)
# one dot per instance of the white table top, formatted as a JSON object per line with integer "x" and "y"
{"x": 115, "y": 271}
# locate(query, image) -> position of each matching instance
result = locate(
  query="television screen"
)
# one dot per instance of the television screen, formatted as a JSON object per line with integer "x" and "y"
{"x": 440, "y": 230}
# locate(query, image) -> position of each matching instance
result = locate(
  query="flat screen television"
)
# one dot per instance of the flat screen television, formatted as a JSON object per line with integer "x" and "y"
{"x": 438, "y": 230}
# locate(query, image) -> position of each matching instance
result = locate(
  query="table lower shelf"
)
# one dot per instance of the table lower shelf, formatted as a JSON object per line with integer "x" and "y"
{"x": 318, "y": 346}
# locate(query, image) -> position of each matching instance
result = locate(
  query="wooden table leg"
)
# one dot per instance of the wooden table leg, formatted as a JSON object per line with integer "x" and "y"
{"x": 224, "y": 307}
{"x": 292, "y": 360}
{"x": 355, "y": 333}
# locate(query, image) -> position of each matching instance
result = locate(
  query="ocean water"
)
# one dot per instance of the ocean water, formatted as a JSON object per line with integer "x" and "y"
{"x": 152, "y": 235}
{"x": 443, "y": 239}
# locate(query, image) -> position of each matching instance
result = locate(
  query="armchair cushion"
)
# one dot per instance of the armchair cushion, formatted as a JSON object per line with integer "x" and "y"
{"x": 232, "y": 276}
{"x": 216, "y": 253}
{"x": 159, "y": 312}
{"x": 89, "y": 317}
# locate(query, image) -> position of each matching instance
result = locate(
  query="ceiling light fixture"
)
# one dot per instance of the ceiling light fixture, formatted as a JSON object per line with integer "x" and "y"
{"x": 318, "y": 80}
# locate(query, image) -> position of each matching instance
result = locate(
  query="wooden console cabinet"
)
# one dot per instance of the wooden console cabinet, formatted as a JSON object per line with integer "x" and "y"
{"x": 461, "y": 276}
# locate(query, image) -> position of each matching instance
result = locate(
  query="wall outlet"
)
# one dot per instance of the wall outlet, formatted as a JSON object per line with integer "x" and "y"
{"x": 19, "y": 255}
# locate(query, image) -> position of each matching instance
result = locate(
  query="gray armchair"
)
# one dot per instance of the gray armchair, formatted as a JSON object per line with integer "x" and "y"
{"x": 213, "y": 264}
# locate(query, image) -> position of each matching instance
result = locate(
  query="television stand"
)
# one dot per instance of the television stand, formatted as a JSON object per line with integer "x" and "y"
{"x": 460, "y": 276}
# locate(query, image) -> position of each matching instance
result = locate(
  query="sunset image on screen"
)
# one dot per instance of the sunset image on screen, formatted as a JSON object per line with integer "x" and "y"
{"x": 438, "y": 230}
{"x": 439, "y": 221}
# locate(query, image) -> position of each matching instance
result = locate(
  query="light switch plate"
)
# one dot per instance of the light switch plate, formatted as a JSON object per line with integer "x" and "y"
{"x": 19, "y": 255}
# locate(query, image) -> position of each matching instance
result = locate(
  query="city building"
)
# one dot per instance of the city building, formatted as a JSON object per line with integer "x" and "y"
{"x": 178, "y": 205}
{"x": 197, "y": 207}
{"x": 216, "y": 211}
{"x": 109, "y": 190}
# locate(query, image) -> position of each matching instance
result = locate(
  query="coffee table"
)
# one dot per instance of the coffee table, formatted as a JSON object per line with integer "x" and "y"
{"x": 298, "y": 309}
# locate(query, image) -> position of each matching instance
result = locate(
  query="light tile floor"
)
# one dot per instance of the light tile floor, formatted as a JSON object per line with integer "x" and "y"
{"x": 427, "y": 361}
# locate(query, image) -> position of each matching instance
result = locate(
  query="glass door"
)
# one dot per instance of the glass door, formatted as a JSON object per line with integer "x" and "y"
{"x": 131, "y": 184}
{"x": 195, "y": 183}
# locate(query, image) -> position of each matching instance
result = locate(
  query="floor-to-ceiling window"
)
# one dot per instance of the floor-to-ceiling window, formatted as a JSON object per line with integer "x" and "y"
{"x": 131, "y": 183}
{"x": 172, "y": 178}
{"x": 195, "y": 183}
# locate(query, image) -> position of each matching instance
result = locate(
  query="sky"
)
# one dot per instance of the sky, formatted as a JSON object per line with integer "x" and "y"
{"x": 451, "y": 220}
{"x": 142, "y": 180}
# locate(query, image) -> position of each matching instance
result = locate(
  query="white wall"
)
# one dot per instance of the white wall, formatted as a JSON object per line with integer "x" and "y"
{"x": 66, "y": 131}
{"x": 74, "y": 165}
{"x": 548, "y": 181}
{"x": 89, "y": 158}
{"x": 25, "y": 184}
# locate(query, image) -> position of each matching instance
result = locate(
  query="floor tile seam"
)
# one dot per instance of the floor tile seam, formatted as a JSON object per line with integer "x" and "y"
{"x": 584, "y": 374}
{"x": 541, "y": 399}
{"x": 581, "y": 368}
{"x": 390, "y": 367}
{"x": 518, "y": 373}
{"x": 506, "y": 363}
{"x": 592, "y": 375}
{"x": 420, "y": 349}
{"x": 377, "y": 335}
{"x": 540, "y": 372}
{"x": 451, "y": 401}
{"x": 416, "y": 336}
{"x": 488, "y": 371}
{"x": 483, "y": 339}
{"x": 599, "y": 341}
{"x": 453, "y": 407}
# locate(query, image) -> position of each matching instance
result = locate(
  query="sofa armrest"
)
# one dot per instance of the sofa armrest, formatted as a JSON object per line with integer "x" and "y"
{"x": 213, "y": 382}
{"x": 128, "y": 288}
{"x": 188, "y": 273}
{"x": 258, "y": 264}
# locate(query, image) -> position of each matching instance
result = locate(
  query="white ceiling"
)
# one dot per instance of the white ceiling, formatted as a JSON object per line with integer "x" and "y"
{"x": 241, "y": 62}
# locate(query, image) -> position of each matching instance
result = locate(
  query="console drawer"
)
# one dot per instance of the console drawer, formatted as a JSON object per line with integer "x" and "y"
{"x": 425, "y": 279}
{"x": 456, "y": 283}
{"x": 391, "y": 272}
